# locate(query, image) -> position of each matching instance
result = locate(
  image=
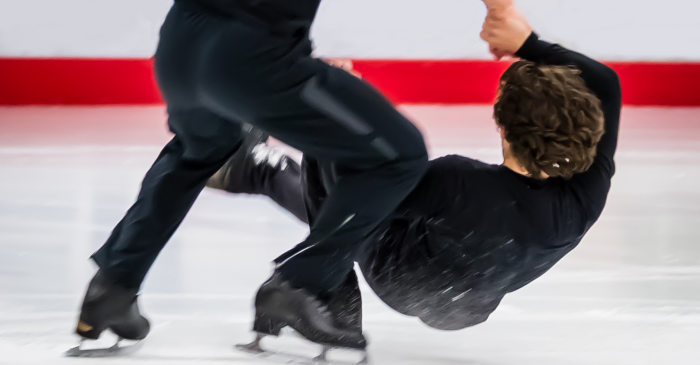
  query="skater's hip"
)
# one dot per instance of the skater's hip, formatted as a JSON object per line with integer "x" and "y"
{"x": 190, "y": 24}
{"x": 202, "y": 55}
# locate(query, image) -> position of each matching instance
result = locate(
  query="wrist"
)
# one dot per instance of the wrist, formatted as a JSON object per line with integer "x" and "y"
{"x": 530, "y": 48}
{"x": 498, "y": 4}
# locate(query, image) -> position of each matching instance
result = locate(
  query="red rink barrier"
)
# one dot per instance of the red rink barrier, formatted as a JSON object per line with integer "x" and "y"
{"x": 26, "y": 81}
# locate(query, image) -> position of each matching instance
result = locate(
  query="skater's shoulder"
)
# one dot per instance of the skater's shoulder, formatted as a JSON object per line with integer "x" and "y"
{"x": 459, "y": 163}
{"x": 464, "y": 170}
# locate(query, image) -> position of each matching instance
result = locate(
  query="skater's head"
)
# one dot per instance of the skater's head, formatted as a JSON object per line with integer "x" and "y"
{"x": 550, "y": 121}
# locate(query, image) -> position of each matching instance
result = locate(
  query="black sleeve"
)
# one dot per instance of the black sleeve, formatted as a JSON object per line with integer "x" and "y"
{"x": 605, "y": 84}
{"x": 600, "y": 79}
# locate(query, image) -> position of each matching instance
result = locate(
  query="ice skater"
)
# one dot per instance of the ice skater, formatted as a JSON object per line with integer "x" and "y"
{"x": 223, "y": 63}
{"x": 472, "y": 232}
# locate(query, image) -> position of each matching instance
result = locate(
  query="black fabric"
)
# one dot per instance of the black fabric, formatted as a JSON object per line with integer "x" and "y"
{"x": 270, "y": 12}
{"x": 472, "y": 232}
{"x": 202, "y": 144}
{"x": 280, "y": 181}
{"x": 216, "y": 72}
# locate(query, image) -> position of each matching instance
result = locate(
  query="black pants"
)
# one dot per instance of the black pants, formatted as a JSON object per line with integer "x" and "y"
{"x": 392, "y": 263}
{"x": 216, "y": 73}
{"x": 299, "y": 189}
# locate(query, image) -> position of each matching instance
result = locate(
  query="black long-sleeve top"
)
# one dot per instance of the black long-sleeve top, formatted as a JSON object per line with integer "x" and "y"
{"x": 472, "y": 232}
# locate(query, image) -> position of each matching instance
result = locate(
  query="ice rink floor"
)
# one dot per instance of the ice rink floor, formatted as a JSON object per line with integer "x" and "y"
{"x": 630, "y": 294}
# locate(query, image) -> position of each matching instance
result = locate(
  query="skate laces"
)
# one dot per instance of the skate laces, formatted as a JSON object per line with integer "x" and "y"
{"x": 262, "y": 153}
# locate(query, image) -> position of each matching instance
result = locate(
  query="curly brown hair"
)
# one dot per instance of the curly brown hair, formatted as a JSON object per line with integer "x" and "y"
{"x": 551, "y": 120}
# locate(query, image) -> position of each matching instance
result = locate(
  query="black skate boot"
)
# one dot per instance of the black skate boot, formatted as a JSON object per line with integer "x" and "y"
{"x": 345, "y": 305}
{"x": 230, "y": 177}
{"x": 109, "y": 306}
{"x": 278, "y": 305}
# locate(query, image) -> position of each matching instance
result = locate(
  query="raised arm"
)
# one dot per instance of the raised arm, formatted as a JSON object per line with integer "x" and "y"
{"x": 600, "y": 79}
{"x": 509, "y": 32}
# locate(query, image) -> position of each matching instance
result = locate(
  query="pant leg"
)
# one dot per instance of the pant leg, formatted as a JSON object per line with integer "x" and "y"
{"x": 270, "y": 81}
{"x": 283, "y": 184}
{"x": 202, "y": 144}
{"x": 314, "y": 183}
{"x": 366, "y": 186}
{"x": 315, "y": 189}
{"x": 378, "y": 156}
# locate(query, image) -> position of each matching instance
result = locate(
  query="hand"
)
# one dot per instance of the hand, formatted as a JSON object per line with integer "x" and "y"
{"x": 505, "y": 30}
{"x": 344, "y": 64}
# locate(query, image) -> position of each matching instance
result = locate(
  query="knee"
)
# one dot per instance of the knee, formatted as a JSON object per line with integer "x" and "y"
{"x": 405, "y": 154}
{"x": 414, "y": 152}
{"x": 410, "y": 160}
{"x": 409, "y": 145}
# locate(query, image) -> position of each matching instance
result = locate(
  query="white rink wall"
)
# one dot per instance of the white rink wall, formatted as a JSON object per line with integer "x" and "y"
{"x": 629, "y": 30}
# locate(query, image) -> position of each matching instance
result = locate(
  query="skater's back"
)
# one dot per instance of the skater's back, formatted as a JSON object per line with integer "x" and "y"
{"x": 472, "y": 232}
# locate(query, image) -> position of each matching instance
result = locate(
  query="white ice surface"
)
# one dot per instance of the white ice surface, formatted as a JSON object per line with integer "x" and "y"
{"x": 630, "y": 294}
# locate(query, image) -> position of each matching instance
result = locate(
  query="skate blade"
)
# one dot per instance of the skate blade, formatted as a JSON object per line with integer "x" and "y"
{"x": 256, "y": 349}
{"x": 116, "y": 350}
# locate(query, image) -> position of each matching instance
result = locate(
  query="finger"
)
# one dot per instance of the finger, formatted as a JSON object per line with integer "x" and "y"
{"x": 494, "y": 53}
{"x": 496, "y": 15}
{"x": 499, "y": 54}
{"x": 484, "y": 35}
{"x": 489, "y": 33}
{"x": 347, "y": 65}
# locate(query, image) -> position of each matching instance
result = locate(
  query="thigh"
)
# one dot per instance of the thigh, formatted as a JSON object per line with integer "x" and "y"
{"x": 348, "y": 113}
{"x": 320, "y": 110}
{"x": 341, "y": 119}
